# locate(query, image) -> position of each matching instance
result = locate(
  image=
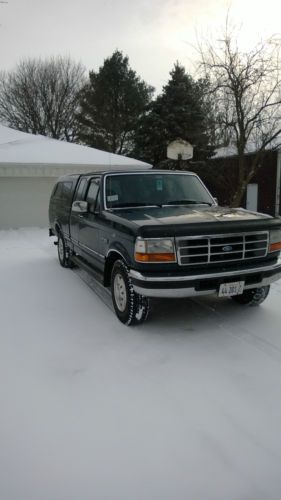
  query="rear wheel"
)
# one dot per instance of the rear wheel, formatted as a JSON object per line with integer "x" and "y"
{"x": 63, "y": 252}
{"x": 252, "y": 297}
{"x": 130, "y": 307}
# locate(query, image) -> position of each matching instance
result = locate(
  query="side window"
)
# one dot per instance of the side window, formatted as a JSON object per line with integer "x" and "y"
{"x": 93, "y": 194}
{"x": 58, "y": 191}
{"x": 67, "y": 191}
{"x": 80, "y": 190}
{"x": 55, "y": 188}
{"x": 63, "y": 191}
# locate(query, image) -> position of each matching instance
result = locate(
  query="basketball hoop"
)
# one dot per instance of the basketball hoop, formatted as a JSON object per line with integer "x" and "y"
{"x": 179, "y": 150}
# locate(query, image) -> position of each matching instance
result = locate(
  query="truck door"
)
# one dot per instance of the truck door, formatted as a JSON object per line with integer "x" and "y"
{"x": 89, "y": 226}
{"x": 75, "y": 217}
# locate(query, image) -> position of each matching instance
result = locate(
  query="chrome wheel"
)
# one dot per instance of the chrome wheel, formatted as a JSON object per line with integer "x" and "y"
{"x": 63, "y": 252}
{"x": 120, "y": 292}
{"x": 61, "y": 249}
{"x": 130, "y": 307}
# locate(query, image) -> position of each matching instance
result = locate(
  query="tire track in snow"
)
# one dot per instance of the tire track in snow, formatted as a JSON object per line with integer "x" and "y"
{"x": 243, "y": 333}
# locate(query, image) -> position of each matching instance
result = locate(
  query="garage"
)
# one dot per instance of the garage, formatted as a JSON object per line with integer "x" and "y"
{"x": 23, "y": 201}
{"x": 29, "y": 167}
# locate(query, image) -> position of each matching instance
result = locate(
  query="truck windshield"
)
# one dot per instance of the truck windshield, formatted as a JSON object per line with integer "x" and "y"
{"x": 149, "y": 189}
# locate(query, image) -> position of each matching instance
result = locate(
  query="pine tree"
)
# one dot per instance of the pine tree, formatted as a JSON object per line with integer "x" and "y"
{"x": 111, "y": 104}
{"x": 180, "y": 112}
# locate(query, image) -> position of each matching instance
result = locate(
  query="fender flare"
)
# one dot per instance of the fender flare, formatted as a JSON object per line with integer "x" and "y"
{"x": 115, "y": 252}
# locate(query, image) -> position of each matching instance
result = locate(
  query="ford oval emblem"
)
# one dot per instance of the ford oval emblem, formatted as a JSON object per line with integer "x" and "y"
{"x": 227, "y": 248}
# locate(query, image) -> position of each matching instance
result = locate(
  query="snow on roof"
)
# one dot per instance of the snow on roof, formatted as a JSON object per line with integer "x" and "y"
{"x": 225, "y": 152}
{"x": 22, "y": 148}
{"x": 231, "y": 150}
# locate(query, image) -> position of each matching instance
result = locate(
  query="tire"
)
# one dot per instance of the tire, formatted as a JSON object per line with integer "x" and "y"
{"x": 130, "y": 307}
{"x": 63, "y": 253}
{"x": 252, "y": 297}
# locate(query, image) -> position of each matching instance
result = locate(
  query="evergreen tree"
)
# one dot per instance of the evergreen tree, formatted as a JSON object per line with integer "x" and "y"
{"x": 182, "y": 111}
{"x": 111, "y": 104}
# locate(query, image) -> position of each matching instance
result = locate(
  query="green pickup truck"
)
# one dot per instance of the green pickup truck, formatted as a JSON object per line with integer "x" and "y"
{"x": 155, "y": 233}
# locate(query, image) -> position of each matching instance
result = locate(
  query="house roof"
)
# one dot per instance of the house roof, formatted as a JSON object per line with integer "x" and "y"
{"x": 21, "y": 148}
{"x": 251, "y": 148}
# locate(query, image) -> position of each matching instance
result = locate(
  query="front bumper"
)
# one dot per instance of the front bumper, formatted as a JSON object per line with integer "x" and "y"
{"x": 202, "y": 284}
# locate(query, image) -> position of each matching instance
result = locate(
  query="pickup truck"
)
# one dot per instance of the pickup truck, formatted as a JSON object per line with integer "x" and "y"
{"x": 156, "y": 233}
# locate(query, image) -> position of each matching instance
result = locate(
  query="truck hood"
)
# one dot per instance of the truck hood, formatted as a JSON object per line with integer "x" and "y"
{"x": 179, "y": 220}
{"x": 188, "y": 215}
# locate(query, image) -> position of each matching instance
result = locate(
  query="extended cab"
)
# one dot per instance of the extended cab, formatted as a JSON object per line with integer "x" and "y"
{"x": 155, "y": 233}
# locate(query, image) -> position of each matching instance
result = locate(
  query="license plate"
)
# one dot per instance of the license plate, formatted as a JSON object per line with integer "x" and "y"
{"x": 229, "y": 289}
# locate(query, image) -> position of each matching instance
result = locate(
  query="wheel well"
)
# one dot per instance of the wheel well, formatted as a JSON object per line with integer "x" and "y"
{"x": 113, "y": 256}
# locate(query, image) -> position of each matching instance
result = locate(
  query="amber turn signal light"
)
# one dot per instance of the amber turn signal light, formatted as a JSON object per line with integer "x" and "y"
{"x": 155, "y": 257}
{"x": 274, "y": 247}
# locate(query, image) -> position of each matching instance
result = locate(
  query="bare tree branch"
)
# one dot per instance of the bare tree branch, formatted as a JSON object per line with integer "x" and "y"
{"x": 42, "y": 97}
{"x": 246, "y": 87}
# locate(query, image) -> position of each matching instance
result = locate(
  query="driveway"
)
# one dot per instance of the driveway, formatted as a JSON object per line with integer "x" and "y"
{"x": 185, "y": 406}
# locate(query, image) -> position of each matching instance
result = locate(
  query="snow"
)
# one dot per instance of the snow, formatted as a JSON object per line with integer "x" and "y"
{"x": 23, "y": 148}
{"x": 186, "y": 406}
{"x": 251, "y": 147}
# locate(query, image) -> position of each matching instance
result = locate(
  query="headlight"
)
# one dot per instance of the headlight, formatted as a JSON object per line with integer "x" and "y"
{"x": 275, "y": 240}
{"x": 158, "y": 250}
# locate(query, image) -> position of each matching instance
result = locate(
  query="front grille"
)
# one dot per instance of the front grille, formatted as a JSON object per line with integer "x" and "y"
{"x": 221, "y": 248}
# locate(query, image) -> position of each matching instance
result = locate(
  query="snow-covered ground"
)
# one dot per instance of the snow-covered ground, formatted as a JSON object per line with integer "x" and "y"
{"x": 184, "y": 407}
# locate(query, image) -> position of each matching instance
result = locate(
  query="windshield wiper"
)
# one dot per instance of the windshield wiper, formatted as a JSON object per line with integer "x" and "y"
{"x": 135, "y": 204}
{"x": 188, "y": 202}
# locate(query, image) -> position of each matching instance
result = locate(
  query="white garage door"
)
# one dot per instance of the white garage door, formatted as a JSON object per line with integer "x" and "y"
{"x": 24, "y": 201}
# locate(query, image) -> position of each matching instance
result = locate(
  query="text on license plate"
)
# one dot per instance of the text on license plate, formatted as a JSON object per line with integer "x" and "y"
{"x": 229, "y": 289}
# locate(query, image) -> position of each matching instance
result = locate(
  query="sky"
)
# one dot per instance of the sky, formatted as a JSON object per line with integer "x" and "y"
{"x": 153, "y": 33}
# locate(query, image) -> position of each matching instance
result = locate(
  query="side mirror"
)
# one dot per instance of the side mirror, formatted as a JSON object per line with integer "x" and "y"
{"x": 80, "y": 206}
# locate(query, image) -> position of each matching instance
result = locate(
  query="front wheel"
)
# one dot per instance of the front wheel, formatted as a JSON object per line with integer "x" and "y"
{"x": 130, "y": 307}
{"x": 252, "y": 297}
